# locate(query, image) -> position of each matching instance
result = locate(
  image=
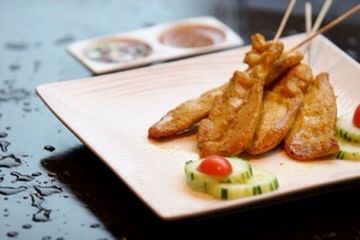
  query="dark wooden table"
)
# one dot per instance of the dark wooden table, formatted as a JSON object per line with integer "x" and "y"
{"x": 85, "y": 199}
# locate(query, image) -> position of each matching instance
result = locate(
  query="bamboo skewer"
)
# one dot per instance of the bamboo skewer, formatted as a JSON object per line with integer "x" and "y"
{"x": 284, "y": 19}
{"x": 317, "y": 24}
{"x": 328, "y": 26}
{"x": 308, "y": 24}
{"x": 321, "y": 16}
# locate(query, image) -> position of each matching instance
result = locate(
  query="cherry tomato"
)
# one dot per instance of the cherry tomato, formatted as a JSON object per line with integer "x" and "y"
{"x": 356, "y": 119}
{"x": 215, "y": 165}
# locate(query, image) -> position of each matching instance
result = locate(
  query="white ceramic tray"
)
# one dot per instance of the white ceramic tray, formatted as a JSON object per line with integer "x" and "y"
{"x": 111, "y": 115}
{"x": 151, "y": 37}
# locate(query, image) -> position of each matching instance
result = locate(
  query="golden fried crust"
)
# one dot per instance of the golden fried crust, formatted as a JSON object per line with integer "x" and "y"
{"x": 313, "y": 134}
{"x": 283, "y": 64}
{"x": 232, "y": 120}
{"x": 185, "y": 115}
{"x": 280, "y": 66}
{"x": 280, "y": 107}
{"x": 191, "y": 112}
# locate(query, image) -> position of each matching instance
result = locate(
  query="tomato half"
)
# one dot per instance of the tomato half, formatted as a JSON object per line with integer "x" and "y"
{"x": 356, "y": 119}
{"x": 215, "y": 165}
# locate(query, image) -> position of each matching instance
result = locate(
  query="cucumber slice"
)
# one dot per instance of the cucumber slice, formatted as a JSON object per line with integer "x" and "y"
{"x": 346, "y": 129}
{"x": 241, "y": 171}
{"x": 348, "y": 151}
{"x": 261, "y": 182}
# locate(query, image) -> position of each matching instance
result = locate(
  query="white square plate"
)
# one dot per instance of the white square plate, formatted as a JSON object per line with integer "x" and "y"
{"x": 111, "y": 115}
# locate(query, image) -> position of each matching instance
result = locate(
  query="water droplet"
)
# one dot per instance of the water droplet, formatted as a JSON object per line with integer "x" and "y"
{"x": 16, "y": 46}
{"x": 60, "y": 238}
{"x": 26, "y": 109}
{"x": 12, "y": 234}
{"x": 4, "y": 145}
{"x": 47, "y": 190}
{"x": 8, "y": 128}
{"x": 25, "y": 197}
{"x": 66, "y": 39}
{"x": 12, "y": 190}
{"x": 13, "y": 94}
{"x": 3, "y": 134}
{"x": 36, "y": 200}
{"x": 21, "y": 177}
{"x": 49, "y": 148}
{"x": 27, "y": 226}
{"x": 14, "y": 67}
{"x": 46, "y": 238}
{"x": 9, "y": 161}
{"x": 95, "y": 225}
{"x": 43, "y": 215}
{"x": 36, "y": 65}
{"x": 52, "y": 175}
{"x": 36, "y": 174}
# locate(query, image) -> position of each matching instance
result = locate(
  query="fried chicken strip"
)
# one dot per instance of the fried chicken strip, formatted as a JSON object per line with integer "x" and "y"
{"x": 192, "y": 111}
{"x": 285, "y": 62}
{"x": 280, "y": 108}
{"x": 186, "y": 114}
{"x": 231, "y": 123}
{"x": 313, "y": 134}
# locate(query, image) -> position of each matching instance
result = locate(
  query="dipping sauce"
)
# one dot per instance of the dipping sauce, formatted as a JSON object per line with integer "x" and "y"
{"x": 117, "y": 50}
{"x": 192, "y": 36}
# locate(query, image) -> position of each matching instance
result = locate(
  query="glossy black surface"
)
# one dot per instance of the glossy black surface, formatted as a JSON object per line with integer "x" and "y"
{"x": 52, "y": 187}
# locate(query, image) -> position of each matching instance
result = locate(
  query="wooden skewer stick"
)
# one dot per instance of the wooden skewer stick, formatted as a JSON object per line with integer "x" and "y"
{"x": 308, "y": 24}
{"x": 328, "y": 26}
{"x": 317, "y": 24}
{"x": 321, "y": 16}
{"x": 284, "y": 19}
{"x": 308, "y": 17}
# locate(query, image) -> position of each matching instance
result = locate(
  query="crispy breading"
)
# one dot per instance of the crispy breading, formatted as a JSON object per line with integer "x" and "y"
{"x": 185, "y": 115}
{"x": 280, "y": 108}
{"x": 286, "y": 61}
{"x": 231, "y": 123}
{"x": 192, "y": 111}
{"x": 283, "y": 64}
{"x": 313, "y": 134}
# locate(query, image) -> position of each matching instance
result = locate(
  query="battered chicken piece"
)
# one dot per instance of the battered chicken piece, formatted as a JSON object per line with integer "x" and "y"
{"x": 191, "y": 112}
{"x": 185, "y": 115}
{"x": 231, "y": 123}
{"x": 313, "y": 134}
{"x": 280, "y": 108}
{"x": 285, "y": 62}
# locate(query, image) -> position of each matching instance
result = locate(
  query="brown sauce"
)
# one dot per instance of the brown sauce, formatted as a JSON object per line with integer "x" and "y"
{"x": 192, "y": 36}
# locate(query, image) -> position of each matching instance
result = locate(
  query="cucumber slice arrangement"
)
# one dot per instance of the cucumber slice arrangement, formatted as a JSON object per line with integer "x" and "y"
{"x": 346, "y": 130}
{"x": 348, "y": 150}
{"x": 348, "y": 138}
{"x": 242, "y": 182}
{"x": 261, "y": 182}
